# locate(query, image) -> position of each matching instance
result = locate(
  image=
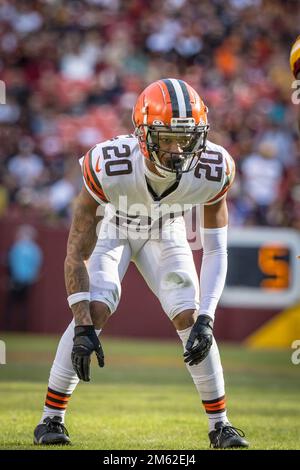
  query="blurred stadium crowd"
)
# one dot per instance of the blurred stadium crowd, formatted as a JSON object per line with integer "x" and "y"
{"x": 73, "y": 70}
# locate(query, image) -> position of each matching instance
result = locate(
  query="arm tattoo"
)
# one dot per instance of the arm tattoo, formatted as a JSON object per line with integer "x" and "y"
{"x": 81, "y": 242}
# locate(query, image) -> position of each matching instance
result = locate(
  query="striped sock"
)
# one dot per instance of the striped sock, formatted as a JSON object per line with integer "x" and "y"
{"x": 216, "y": 411}
{"x": 56, "y": 404}
{"x": 209, "y": 381}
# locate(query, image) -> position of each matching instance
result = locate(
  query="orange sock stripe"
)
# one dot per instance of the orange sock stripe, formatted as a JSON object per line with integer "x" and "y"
{"x": 212, "y": 408}
{"x": 56, "y": 405}
{"x": 217, "y": 407}
{"x": 214, "y": 405}
{"x": 215, "y": 410}
{"x": 58, "y": 397}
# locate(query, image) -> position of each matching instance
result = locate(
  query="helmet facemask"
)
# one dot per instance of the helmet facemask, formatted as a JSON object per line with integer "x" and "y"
{"x": 187, "y": 140}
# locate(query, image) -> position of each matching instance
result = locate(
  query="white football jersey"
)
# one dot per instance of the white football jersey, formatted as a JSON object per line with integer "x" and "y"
{"x": 114, "y": 174}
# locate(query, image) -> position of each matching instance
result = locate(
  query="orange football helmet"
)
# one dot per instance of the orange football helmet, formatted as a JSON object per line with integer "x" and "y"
{"x": 170, "y": 110}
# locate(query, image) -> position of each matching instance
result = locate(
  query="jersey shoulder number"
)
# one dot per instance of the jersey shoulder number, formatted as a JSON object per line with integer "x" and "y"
{"x": 116, "y": 155}
{"x": 219, "y": 167}
{"x": 109, "y": 158}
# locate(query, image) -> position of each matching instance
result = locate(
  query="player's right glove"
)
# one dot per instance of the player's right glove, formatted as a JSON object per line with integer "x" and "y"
{"x": 295, "y": 57}
{"x": 200, "y": 340}
{"x": 85, "y": 343}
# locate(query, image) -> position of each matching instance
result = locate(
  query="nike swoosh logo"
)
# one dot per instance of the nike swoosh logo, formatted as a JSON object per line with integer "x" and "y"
{"x": 98, "y": 169}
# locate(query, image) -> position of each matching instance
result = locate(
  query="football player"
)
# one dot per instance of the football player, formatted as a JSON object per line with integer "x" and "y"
{"x": 168, "y": 162}
{"x": 295, "y": 65}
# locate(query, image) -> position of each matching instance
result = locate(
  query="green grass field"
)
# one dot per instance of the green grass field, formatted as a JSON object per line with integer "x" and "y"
{"x": 144, "y": 397}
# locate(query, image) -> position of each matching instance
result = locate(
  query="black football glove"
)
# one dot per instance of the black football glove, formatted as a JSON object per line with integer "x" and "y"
{"x": 85, "y": 342}
{"x": 200, "y": 340}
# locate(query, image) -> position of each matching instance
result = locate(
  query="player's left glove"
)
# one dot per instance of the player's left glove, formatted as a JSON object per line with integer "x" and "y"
{"x": 200, "y": 340}
{"x": 295, "y": 57}
{"x": 85, "y": 343}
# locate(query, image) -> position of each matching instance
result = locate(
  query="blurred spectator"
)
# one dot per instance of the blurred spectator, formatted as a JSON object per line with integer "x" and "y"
{"x": 61, "y": 195}
{"x": 26, "y": 166}
{"x": 24, "y": 264}
{"x": 74, "y": 69}
{"x": 262, "y": 174}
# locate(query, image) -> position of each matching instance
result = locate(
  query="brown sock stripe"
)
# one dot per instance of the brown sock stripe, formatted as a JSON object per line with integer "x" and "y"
{"x": 54, "y": 407}
{"x": 60, "y": 394}
{"x": 58, "y": 397}
{"x": 55, "y": 400}
{"x": 212, "y": 412}
{"x": 215, "y": 400}
{"x": 52, "y": 404}
{"x": 218, "y": 405}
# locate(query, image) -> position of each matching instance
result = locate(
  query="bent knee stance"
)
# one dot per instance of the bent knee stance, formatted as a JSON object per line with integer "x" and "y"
{"x": 179, "y": 292}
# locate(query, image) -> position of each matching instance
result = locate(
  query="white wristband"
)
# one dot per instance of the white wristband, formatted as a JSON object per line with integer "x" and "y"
{"x": 78, "y": 297}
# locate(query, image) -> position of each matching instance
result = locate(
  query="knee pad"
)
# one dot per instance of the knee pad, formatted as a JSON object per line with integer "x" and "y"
{"x": 179, "y": 291}
{"x": 106, "y": 288}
